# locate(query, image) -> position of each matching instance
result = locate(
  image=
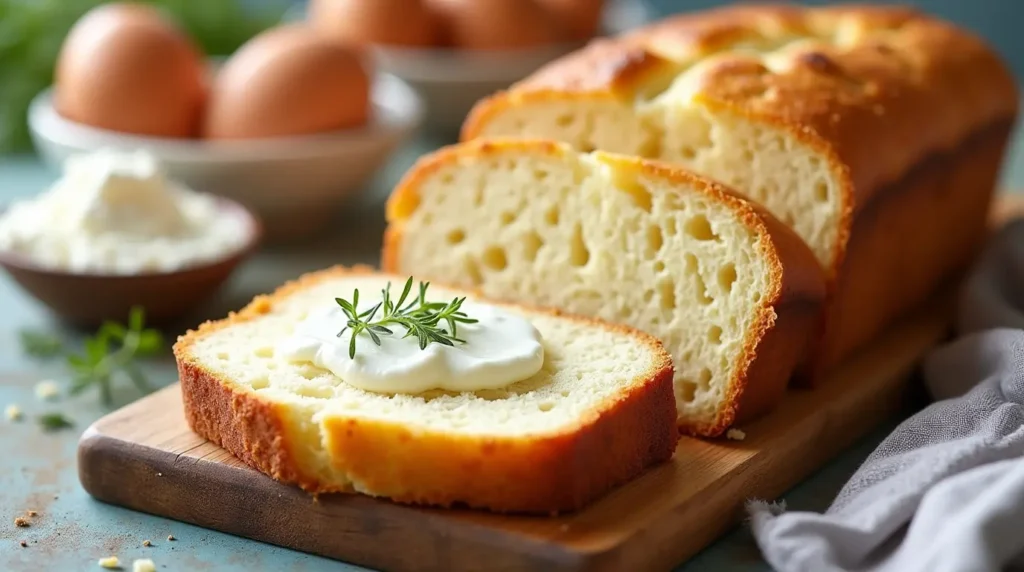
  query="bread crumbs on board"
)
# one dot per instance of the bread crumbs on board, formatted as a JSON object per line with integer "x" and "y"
{"x": 110, "y": 562}
{"x": 147, "y": 543}
{"x": 13, "y": 413}
{"x": 47, "y": 390}
{"x": 23, "y": 544}
{"x": 32, "y": 513}
{"x": 735, "y": 435}
{"x": 143, "y": 565}
{"x": 171, "y": 537}
{"x": 21, "y": 522}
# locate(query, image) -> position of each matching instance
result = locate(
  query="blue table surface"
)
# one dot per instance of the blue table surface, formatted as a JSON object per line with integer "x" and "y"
{"x": 72, "y": 531}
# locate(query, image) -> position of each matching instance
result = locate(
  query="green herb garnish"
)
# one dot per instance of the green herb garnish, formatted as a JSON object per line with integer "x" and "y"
{"x": 419, "y": 317}
{"x": 100, "y": 362}
{"x": 110, "y": 353}
{"x": 40, "y": 344}
{"x": 54, "y": 421}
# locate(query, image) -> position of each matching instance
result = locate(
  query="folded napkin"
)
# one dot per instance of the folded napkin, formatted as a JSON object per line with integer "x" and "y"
{"x": 945, "y": 491}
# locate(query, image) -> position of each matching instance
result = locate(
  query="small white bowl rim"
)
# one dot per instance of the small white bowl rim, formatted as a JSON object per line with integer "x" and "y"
{"x": 442, "y": 64}
{"x": 243, "y": 251}
{"x": 398, "y": 110}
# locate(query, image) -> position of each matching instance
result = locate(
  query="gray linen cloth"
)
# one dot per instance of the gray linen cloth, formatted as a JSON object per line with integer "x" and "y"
{"x": 945, "y": 491}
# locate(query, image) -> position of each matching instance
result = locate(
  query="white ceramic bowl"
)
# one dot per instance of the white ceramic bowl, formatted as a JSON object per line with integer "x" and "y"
{"x": 452, "y": 81}
{"x": 296, "y": 185}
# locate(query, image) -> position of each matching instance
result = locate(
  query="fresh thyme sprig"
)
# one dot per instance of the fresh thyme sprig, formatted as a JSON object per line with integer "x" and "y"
{"x": 419, "y": 317}
{"x": 108, "y": 354}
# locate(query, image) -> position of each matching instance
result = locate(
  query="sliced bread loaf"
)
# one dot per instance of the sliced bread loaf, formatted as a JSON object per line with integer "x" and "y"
{"x": 875, "y": 132}
{"x": 599, "y": 412}
{"x": 732, "y": 292}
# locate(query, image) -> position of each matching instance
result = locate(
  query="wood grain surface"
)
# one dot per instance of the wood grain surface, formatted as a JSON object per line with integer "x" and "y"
{"x": 144, "y": 457}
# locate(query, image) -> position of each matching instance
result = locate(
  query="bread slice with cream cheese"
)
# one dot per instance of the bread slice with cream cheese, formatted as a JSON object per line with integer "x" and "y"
{"x": 598, "y": 413}
{"x": 731, "y": 291}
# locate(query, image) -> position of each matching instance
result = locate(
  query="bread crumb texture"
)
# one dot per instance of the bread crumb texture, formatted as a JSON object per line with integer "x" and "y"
{"x": 22, "y": 522}
{"x": 622, "y": 240}
{"x": 339, "y": 437}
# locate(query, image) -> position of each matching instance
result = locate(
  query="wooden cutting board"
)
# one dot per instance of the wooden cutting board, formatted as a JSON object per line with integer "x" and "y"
{"x": 144, "y": 457}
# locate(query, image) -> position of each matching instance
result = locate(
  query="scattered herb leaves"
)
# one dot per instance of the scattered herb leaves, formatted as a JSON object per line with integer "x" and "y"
{"x": 106, "y": 355}
{"x": 54, "y": 421}
{"x": 419, "y": 317}
{"x": 40, "y": 344}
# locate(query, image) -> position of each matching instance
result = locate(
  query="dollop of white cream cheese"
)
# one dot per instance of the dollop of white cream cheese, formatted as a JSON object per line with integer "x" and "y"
{"x": 118, "y": 212}
{"x": 499, "y": 350}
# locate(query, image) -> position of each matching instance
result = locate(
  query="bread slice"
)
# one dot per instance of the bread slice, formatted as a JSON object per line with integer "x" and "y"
{"x": 846, "y": 122}
{"x": 732, "y": 293}
{"x": 598, "y": 413}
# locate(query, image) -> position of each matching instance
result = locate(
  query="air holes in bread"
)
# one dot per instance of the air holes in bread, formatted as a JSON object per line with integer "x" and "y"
{"x": 494, "y": 258}
{"x": 727, "y": 277}
{"x": 715, "y": 335}
{"x": 648, "y": 295}
{"x": 473, "y": 272}
{"x": 546, "y": 405}
{"x": 507, "y": 218}
{"x": 688, "y": 152}
{"x": 691, "y": 263}
{"x": 264, "y": 352}
{"x": 667, "y": 292}
{"x": 552, "y": 215}
{"x": 702, "y": 290}
{"x": 540, "y": 175}
{"x": 659, "y": 267}
{"x": 687, "y": 390}
{"x": 670, "y": 227}
{"x": 447, "y": 178}
{"x": 259, "y": 383}
{"x": 821, "y": 191}
{"x": 699, "y": 227}
{"x": 456, "y": 236}
{"x": 531, "y": 244}
{"x": 579, "y": 254}
{"x": 654, "y": 238}
{"x": 321, "y": 392}
{"x": 705, "y": 379}
{"x": 565, "y": 120}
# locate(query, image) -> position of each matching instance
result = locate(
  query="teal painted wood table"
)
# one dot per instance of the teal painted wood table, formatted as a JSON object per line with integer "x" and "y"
{"x": 72, "y": 531}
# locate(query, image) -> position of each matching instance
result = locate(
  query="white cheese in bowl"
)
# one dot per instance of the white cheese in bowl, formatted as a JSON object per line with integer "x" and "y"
{"x": 118, "y": 213}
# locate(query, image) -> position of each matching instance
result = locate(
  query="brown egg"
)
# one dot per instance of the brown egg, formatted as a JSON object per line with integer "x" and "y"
{"x": 495, "y": 24}
{"x": 389, "y": 22}
{"x": 579, "y": 18}
{"x": 288, "y": 81}
{"x": 125, "y": 67}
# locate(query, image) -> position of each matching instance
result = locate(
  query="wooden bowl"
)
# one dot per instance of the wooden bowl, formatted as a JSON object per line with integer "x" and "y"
{"x": 88, "y": 299}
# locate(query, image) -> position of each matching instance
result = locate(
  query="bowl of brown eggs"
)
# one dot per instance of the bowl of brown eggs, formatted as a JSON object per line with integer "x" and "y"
{"x": 293, "y": 125}
{"x": 455, "y": 52}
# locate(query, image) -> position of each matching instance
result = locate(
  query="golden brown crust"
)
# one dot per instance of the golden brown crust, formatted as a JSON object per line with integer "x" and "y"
{"x": 862, "y": 77}
{"x": 789, "y": 309}
{"x": 546, "y": 473}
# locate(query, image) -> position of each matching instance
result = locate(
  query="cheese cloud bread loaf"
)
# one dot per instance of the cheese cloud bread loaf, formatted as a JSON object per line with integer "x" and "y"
{"x": 731, "y": 292}
{"x": 876, "y": 133}
{"x": 597, "y": 413}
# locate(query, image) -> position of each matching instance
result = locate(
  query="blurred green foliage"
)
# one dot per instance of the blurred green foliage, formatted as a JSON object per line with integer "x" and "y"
{"x": 32, "y": 31}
